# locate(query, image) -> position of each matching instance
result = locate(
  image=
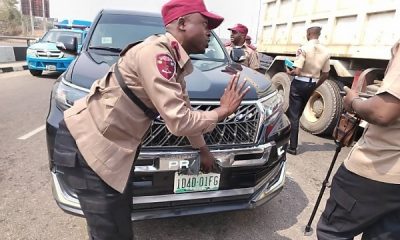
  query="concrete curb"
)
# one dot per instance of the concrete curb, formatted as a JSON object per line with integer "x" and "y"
{"x": 7, "y": 69}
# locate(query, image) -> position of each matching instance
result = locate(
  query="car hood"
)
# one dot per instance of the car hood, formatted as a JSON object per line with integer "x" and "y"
{"x": 207, "y": 81}
{"x": 44, "y": 46}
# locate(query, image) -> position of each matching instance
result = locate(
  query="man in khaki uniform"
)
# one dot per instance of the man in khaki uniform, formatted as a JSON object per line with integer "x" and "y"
{"x": 107, "y": 126}
{"x": 311, "y": 69}
{"x": 365, "y": 191}
{"x": 238, "y": 36}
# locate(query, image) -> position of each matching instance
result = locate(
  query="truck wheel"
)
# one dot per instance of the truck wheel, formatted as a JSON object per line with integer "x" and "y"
{"x": 35, "y": 72}
{"x": 323, "y": 109}
{"x": 282, "y": 83}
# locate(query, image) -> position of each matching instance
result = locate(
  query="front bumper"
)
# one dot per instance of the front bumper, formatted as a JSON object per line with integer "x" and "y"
{"x": 48, "y": 64}
{"x": 172, "y": 205}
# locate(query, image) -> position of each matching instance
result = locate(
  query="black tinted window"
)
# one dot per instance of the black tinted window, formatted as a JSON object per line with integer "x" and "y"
{"x": 118, "y": 30}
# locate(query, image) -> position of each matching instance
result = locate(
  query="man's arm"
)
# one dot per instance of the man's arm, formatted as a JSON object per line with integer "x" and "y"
{"x": 298, "y": 63}
{"x": 324, "y": 73}
{"x": 322, "y": 78}
{"x": 382, "y": 109}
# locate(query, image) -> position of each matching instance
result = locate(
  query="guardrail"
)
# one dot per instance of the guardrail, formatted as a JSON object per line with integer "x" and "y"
{"x": 18, "y": 38}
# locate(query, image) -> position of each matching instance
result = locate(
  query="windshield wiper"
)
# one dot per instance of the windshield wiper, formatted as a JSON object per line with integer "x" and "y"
{"x": 111, "y": 49}
{"x": 198, "y": 58}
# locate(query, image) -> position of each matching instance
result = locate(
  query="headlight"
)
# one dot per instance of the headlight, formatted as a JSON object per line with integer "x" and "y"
{"x": 31, "y": 53}
{"x": 271, "y": 104}
{"x": 272, "y": 110}
{"x": 66, "y": 94}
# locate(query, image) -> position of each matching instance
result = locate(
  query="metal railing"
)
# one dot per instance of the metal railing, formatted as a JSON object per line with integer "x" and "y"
{"x": 28, "y": 39}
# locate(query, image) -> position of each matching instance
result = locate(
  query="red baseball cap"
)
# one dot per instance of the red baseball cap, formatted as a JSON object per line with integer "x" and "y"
{"x": 174, "y": 9}
{"x": 239, "y": 28}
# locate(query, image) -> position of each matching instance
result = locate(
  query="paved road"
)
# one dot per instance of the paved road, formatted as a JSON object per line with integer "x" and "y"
{"x": 27, "y": 210}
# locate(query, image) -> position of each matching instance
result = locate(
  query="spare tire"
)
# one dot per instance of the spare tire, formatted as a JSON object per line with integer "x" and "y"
{"x": 281, "y": 81}
{"x": 323, "y": 109}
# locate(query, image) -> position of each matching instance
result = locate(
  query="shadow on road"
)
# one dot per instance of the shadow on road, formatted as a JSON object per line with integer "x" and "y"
{"x": 262, "y": 223}
{"x": 51, "y": 75}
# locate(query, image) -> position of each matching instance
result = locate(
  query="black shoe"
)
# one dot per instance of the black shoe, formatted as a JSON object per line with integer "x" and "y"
{"x": 292, "y": 151}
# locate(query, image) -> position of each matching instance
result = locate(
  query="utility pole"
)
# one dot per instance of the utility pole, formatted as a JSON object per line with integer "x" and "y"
{"x": 44, "y": 20}
{"x": 31, "y": 15}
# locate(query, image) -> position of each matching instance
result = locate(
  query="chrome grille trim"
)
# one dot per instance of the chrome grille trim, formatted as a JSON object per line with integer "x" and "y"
{"x": 49, "y": 54}
{"x": 239, "y": 128}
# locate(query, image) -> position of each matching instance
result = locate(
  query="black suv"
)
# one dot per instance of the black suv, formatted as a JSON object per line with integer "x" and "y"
{"x": 249, "y": 145}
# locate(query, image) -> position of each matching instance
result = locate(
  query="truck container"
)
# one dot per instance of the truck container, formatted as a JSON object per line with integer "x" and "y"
{"x": 359, "y": 35}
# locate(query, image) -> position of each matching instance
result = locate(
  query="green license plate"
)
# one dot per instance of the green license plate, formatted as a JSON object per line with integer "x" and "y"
{"x": 196, "y": 183}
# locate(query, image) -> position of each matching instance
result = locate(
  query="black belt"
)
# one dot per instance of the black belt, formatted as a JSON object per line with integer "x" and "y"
{"x": 306, "y": 79}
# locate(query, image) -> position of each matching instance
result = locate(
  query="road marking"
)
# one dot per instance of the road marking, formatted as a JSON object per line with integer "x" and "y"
{"x": 30, "y": 134}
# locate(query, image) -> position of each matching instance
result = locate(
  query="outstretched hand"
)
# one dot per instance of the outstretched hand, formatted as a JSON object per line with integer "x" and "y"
{"x": 207, "y": 160}
{"x": 233, "y": 95}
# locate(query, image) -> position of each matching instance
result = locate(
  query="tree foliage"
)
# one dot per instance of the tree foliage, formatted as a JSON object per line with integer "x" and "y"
{"x": 10, "y": 18}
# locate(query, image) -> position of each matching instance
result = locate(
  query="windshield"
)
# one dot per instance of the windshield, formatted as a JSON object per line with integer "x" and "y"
{"x": 115, "y": 31}
{"x": 53, "y": 36}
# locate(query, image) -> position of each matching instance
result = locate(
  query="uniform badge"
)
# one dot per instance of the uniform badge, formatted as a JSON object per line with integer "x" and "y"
{"x": 166, "y": 65}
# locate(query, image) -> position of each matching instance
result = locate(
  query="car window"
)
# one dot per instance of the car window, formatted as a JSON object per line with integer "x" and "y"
{"x": 53, "y": 36}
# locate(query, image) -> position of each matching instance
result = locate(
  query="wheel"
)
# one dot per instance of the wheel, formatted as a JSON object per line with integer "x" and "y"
{"x": 282, "y": 83}
{"x": 323, "y": 109}
{"x": 35, "y": 72}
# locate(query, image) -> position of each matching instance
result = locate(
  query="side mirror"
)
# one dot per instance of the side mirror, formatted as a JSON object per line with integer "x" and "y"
{"x": 68, "y": 44}
{"x": 238, "y": 55}
{"x": 32, "y": 41}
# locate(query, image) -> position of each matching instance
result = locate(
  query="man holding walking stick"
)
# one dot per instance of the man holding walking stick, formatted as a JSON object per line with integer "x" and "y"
{"x": 365, "y": 191}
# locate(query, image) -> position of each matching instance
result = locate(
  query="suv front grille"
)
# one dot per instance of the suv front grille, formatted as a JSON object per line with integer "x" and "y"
{"x": 239, "y": 128}
{"x": 49, "y": 54}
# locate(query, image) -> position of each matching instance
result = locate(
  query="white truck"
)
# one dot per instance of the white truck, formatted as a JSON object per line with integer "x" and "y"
{"x": 358, "y": 33}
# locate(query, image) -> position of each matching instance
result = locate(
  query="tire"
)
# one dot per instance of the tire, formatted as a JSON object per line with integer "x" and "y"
{"x": 282, "y": 83}
{"x": 323, "y": 109}
{"x": 35, "y": 72}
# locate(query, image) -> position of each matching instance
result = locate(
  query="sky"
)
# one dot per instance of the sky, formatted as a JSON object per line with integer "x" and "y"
{"x": 234, "y": 11}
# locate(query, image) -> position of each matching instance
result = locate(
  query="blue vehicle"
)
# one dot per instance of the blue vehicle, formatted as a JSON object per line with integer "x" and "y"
{"x": 44, "y": 55}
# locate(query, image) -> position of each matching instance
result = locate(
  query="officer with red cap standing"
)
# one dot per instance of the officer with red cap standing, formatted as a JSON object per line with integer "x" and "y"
{"x": 99, "y": 139}
{"x": 238, "y": 38}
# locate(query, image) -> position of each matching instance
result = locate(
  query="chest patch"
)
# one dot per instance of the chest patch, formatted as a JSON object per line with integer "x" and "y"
{"x": 165, "y": 65}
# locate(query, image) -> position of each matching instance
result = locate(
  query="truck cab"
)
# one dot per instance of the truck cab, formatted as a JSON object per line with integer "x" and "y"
{"x": 44, "y": 55}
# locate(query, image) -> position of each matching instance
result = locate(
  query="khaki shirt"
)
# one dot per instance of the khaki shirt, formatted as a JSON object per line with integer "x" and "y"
{"x": 251, "y": 60}
{"x": 312, "y": 58}
{"x": 108, "y": 127}
{"x": 377, "y": 153}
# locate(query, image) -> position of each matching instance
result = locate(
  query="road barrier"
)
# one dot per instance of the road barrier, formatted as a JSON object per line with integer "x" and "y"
{"x": 14, "y": 53}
